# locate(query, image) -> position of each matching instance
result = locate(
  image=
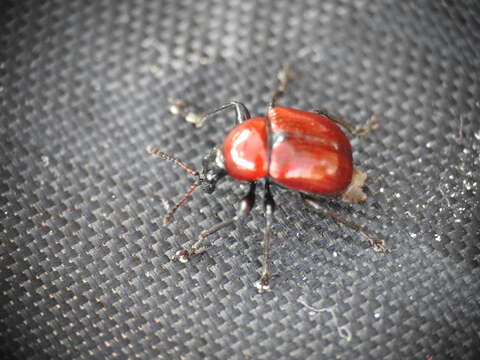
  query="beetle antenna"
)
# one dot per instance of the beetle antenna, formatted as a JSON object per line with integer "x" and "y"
{"x": 169, "y": 215}
{"x": 164, "y": 156}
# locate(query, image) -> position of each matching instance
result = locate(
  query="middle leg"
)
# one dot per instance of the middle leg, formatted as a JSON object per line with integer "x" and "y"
{"x": 284, "y": 77}
{"x": 269, "y": 206}
{"x": 377, "y": 244}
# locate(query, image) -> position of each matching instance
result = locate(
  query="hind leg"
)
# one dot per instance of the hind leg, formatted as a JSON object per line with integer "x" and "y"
{"x": 377, "y": 244}
{"x": 370, "y": 125}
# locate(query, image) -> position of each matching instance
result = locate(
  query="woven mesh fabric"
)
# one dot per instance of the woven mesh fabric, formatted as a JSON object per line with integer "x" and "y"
{"x": 84, "y": 258}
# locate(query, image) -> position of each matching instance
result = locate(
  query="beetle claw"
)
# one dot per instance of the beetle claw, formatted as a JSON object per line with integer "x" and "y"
{"x": 263, "y": 285}
{"x": 379, "y": 246}
{"x": 182, "y": 256}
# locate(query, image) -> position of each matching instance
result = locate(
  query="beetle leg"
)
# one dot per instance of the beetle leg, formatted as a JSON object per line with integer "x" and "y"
{"x": 178, "y": 107}
{"x": 370, "y": 125}
{"x": 241, "y": 112}
{"x": 336, "y": 119}
{"x": 263, "y": 284}
{"x": 284, "y": 77}
{"x": 244, "y": 209}
{"x": 377, "y": 244}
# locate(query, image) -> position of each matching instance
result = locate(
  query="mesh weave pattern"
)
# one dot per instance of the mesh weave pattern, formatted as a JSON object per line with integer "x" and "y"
{"x": 84, "y": 258}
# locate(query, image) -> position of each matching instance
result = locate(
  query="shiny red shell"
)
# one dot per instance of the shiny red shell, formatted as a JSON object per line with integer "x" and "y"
{"x": 309, "y": 152}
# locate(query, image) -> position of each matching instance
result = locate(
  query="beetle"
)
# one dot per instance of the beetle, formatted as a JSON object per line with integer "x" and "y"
{"x": 306, "y": 152}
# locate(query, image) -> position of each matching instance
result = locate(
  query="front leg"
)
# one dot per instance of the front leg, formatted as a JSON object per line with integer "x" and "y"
{"x": 244, "y": 209}
{"x": 178, "y": 107}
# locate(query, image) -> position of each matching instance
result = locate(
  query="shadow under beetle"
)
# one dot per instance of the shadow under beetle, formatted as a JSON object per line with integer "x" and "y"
{"x": 306, "y": 152}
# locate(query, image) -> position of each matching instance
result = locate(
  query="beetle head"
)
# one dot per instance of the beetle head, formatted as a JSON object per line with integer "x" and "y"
{"x": 212, "y": 171}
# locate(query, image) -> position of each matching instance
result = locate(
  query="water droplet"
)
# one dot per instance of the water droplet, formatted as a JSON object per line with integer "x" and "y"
{"x": 376, "y": 315}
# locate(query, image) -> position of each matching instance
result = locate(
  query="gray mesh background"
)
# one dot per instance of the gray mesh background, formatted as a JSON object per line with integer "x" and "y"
{"x": 85, "y": 269}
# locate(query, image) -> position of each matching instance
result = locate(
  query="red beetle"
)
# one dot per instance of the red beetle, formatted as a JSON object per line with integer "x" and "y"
{"x": 303, "y": 151}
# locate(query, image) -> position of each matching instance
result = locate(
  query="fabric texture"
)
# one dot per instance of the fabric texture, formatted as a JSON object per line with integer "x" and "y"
{"x": 85, "y": 268}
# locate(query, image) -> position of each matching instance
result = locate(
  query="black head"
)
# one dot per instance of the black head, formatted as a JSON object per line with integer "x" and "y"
{"x": 212, "y": 171}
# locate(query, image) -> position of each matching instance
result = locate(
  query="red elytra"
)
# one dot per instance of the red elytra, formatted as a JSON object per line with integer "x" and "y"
{"x": 309, "y": 153}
